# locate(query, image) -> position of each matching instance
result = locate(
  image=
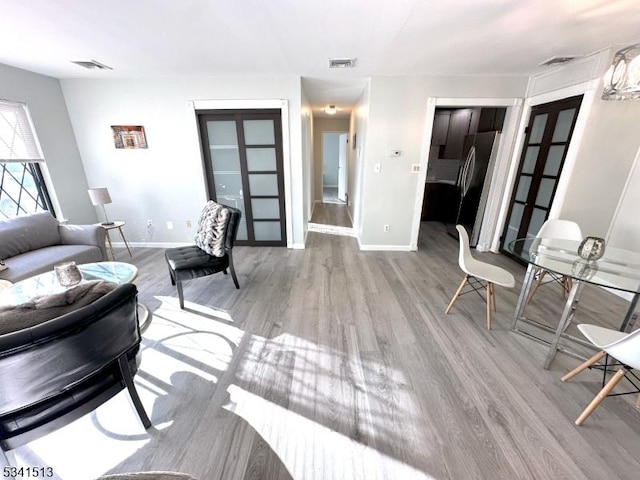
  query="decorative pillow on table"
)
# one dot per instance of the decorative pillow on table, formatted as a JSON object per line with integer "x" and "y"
{"x": 212, "y": 226}
{"x": 48, "y": 307}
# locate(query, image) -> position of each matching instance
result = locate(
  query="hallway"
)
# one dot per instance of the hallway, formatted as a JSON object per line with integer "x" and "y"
{"x": 331, "y": 218}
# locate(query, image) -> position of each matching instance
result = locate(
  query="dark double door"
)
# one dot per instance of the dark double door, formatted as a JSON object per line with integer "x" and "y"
{"x": 242, "y": 152}
{"x": 545, "y": 149}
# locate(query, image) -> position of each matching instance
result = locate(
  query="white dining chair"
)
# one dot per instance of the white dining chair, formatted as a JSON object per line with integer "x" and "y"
{"x": 561, "y": 229}
{"x": 479, "y": 273}
{"x": 621, "y": 346}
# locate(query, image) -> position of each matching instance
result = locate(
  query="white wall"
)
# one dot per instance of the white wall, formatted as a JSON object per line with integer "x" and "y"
{"x": 605, "y": 157}
{"x": 330, "y": 151}
{"x": 397, "y": 122}
{"x": 166, "y": 182}
{"x": 625, "y": 228}
{"x": 44, "y": 98}
{"x": 358, "y": 128}
{"x": 307, "y": 158}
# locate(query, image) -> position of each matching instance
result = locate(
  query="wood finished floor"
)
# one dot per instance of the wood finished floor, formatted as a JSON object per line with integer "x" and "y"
{"x": 335, "y": 214}
{"x": 332, "y": 363}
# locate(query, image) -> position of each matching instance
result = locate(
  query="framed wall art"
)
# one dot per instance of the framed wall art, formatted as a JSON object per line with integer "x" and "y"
{"x": 129, "y": 136}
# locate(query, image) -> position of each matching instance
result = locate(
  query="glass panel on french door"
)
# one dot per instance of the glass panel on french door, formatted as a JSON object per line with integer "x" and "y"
{"x": 530, "y": 159}
{"x": 227, "y": 175}
{"x": 262, "y": 184}
{"x": 537, "y": 130}
{"x": 537, "y": 219}
{"x": 563, "y": 125}
{"x": 545, "y": 192}
{"x": 514, "y": 223}
{"x": 261, "y": 159}
{"x": 222, "y": 132}
{"x": 267, "y": 231}
{"x": 523, "y": 189}
{"x": 265, "y": 208}
{"x": 554, "y": 160}
{"x": 258, "y": 132}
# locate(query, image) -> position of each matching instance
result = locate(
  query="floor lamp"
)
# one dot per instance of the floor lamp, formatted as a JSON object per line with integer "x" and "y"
{"x": 100, "y": 196}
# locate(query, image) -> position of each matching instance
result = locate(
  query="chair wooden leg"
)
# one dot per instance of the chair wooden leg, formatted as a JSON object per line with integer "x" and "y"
{"x": 455, "y": 296}
{"x": 489, "y": 303}
{"x": 233, "y": 270}
{"x": 493, "y": 296}
{"x": 567, "y": 283}
{"x": 123, "y": 363}
{"x": 536, "y": 285}
{"x": 638, "y": 401}
{"x": 619, "y": 375}
{"x": 180, "y": 295}
{"x": 584, "y": 365}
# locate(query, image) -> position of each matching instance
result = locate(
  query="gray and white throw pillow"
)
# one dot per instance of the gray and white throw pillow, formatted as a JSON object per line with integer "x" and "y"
{"x": 211, "y": 228}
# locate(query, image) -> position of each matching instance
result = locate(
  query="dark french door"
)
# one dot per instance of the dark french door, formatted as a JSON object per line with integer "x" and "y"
{"x": 242, "y": 151}
{"x": 546, "y": 143}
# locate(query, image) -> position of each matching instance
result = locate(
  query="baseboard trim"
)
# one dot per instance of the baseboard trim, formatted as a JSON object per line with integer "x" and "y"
{"x": 150, "y": 244}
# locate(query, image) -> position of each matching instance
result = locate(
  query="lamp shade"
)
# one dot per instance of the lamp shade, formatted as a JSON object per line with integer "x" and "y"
{"x": 99, "y": 196}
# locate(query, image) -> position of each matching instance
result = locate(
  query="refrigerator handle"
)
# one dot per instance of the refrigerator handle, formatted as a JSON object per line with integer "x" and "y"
{"x": 469, "y": 167}
{"x": 463, "y": 173}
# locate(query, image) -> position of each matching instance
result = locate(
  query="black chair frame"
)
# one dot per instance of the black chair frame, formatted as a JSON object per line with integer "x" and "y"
{"x": 190, "y": 262}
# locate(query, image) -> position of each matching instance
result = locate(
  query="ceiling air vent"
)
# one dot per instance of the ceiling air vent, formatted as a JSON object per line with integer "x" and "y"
{"x": 557, "y": 60}
{"x": 93, "y": 65}
{"x": 342, "y": 62}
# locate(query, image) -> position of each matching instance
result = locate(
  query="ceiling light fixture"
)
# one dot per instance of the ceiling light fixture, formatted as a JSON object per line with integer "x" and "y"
{"x": 330, "y": 109}
{"x": 622, "y": 80}
{"x": 93, "y": 65}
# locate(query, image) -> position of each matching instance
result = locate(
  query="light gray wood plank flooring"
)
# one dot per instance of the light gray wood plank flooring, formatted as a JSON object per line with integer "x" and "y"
{"x": 332, "y": 363}
{"x": 331, "y": 214}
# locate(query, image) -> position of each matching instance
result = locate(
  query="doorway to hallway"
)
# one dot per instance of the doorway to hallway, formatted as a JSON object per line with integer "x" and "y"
{"x": 334, "y": 167}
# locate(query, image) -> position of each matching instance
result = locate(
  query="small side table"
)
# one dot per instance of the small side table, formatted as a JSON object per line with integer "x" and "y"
{"x": 117, "y": 224}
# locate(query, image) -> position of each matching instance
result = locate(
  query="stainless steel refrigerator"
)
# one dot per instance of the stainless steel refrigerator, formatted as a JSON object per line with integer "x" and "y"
{"x": 472, "y": 186}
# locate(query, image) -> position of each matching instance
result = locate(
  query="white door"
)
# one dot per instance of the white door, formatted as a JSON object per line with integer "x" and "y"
{"x": 342, "y": 167}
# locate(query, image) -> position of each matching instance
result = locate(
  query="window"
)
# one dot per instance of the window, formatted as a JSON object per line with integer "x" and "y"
{"x": 22, "y": 186}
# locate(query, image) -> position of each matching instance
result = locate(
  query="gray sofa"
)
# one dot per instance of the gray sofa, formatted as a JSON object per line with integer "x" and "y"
{"x": 33, "y": 244}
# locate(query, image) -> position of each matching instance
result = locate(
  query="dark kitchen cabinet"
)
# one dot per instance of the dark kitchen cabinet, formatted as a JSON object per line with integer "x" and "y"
{"x": 491, "y": 119}
{"x": 440, "y": 128}
{"x": 459, "y": 125}
{"x": 450, "y": 126}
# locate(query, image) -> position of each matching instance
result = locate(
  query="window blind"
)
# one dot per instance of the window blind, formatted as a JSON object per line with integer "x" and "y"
{"x": 18, "y": 141}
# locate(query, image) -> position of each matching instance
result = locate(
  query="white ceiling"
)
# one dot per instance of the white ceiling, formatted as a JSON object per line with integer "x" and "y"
{"x": 150, "y": 38}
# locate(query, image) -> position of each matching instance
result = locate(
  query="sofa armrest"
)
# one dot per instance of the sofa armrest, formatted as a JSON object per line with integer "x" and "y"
{"x": 84, "y": 235}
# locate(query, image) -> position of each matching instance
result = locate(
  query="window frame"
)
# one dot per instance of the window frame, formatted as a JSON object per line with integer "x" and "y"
{"x": 19, "y": 145}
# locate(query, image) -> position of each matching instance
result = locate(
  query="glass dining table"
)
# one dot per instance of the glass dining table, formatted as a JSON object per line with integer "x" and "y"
{"x": 47, "y": 284}
{"x": 618, "y": 269}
